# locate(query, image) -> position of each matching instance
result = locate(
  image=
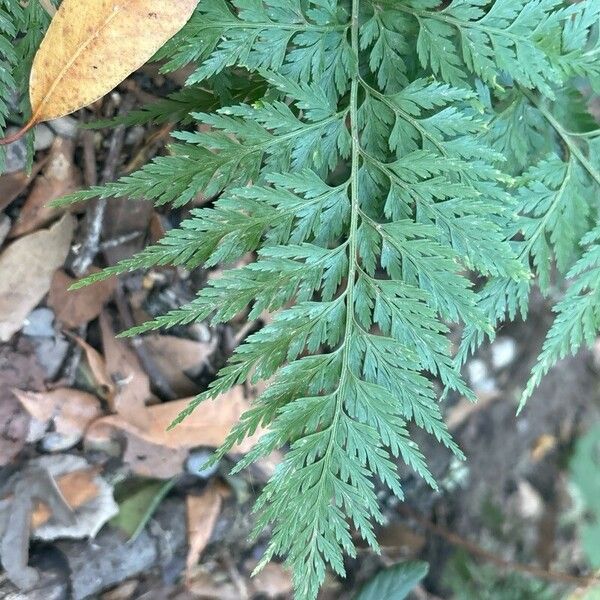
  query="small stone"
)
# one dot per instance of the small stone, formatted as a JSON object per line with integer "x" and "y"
{"x": 477, "y": 372}
{"x": 58, "y": 442}
{"x": 64, "y": 127}
{"x": 530, "y": 503}
{"x": 51, "y": 353}
{"x": 40, "y": 323}
{"x": 16, "y": 154}
{"x": 196, "y": 461}
{"x": 44, "y": 136}
{"x": 504, "y": 351}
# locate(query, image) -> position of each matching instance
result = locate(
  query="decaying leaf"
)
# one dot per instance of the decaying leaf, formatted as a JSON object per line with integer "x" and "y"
{"x": 208, "y": 426}
{"x": 52, "y": 497}
{"x": 97, "y": 366}
{"x": 77, "y": 307}
{"x": 273, "y": 581}
{"x": 202, "y": 514}
{"x": 93, "y": 45}
{"x": 18, "y": 367}
{"x": 69, "y": 411}
{"x": 12, "y": 184}
{"x": 85, "y": 490}
{"x": 179, "y": 357}
{"x": 26, "y": 269}
{"x": 132, "y": 384}
{"x": 58, "y": 178}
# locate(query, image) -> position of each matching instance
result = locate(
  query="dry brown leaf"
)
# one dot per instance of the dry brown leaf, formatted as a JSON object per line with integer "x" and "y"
{"x": 12, "y": 184}
{"x": 149, "y": 460}
{"x": 78, "y": 307}
{"x": 273, "y": 581}
{"x": 26, "y": 269}
{"x": 202, "y": 514}
{"x": 58, "y": 178}
{"x": 176, "y": 357}
{"x": 97, "y": 365}
{"x": 124, "y": 368}
{"x": 18, "y": 367}
{"x": 77, "y": 488}
{"x": 93, "y": 45}
{"x": 208, "y": 426}
{"x": 70, "y": 411}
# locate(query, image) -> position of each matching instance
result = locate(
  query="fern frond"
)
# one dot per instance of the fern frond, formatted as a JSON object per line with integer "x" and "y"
{"x": 370, "y": 181}
{"x": 577, "y": 315}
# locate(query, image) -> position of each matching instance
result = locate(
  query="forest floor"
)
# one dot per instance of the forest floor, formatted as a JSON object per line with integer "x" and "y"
{"x": 129, "y": 513}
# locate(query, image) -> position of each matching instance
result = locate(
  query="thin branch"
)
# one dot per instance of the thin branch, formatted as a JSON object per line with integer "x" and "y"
{"x": 97, "y": 208}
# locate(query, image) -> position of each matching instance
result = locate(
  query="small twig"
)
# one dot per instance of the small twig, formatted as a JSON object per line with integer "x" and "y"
{"x": 120, "y": 240}
{"x": 97, "y": 208}
{"x": 492, "y": 558}
{"x": 156, "y": 376}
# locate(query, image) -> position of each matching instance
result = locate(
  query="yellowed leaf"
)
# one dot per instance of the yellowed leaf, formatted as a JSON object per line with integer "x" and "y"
{"x": 93, "y": 45}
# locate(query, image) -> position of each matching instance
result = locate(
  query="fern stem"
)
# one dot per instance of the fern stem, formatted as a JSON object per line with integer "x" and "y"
{"x": 564, "y": 136}
{"x": 352, "y": 271}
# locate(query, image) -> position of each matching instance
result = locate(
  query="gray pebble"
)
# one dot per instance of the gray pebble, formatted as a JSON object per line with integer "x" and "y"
{"x": 196, "y": 461}
{"x": 44, "y": 136}
{"x": 51, "y": 353}
{"x": 64, "y": 127}
{"x": 40, "y": 323}
{"x": 504, "y": 351}
{"x": 16, "y": 154}
{"x": 58, "y": 442}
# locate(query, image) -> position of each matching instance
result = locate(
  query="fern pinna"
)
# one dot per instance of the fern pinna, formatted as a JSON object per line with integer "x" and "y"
{"x": 374, "y": 156}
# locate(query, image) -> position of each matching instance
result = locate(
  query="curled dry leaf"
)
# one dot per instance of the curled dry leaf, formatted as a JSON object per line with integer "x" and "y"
{"x": 78, "y": 307}
{"x": 26, "y": 269}
{"x": 202, "y": 514}
{"x": 69, "y": 411}
{"x": 97, "y": 366}
{"x": 179, "y": 357}
{"x": 58, "y": 178}
{"x": 208, "y": 426}
{"x": 132, "y": 384}
{"x": 93, "y": 45}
